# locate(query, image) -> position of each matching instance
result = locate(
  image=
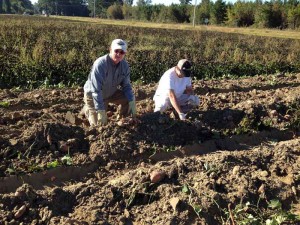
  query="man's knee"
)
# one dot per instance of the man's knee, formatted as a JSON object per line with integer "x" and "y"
{"x": 160, "y": 107}
{"x": 194, "y": 100}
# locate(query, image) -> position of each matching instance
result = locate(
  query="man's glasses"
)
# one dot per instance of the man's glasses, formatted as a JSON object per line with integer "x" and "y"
{"x": 117, "y": 51}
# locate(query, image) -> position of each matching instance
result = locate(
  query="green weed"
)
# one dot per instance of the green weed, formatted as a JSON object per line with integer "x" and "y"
{"x": 188, "y": 190}
{"x": 294, "y": 112}
{"x": 273, "y": 80}
{"x": 4, "y": 104}
{"x": 169, "y": 148}
{"x": 53, "y": 164}
{"x": 67, "y": 160}
{"x": 280, "y": 216}
{"x": 185, "y": 189}
{"x": 249, "y": 214}
{"x": 35, "y": 168}
{"x": 209, "y": 168}
{"x": 11, "y": 171}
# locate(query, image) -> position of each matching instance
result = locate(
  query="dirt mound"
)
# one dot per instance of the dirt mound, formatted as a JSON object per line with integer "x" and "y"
{"x": 140, "y": 140}
{"x": 235, "y": 160}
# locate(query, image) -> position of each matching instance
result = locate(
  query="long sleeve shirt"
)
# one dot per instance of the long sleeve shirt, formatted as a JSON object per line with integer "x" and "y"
{"x": 105, "y": 78}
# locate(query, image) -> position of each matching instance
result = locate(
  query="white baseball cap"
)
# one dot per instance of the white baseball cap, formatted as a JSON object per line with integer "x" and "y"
{"x": 185, "y": 66}
{"x": 119, "y": 44}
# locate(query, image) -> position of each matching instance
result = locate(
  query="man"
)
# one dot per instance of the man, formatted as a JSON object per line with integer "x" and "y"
{"x": 175, "y": 89}
{"x": 109, "y": 82}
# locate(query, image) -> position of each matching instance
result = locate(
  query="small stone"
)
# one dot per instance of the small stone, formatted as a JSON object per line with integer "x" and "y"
{"x": 54, "y": 92}
{"x": 174, "y": 202}
{"x": 126, "y": 213}
{"x": 294, "y": 190}
{"x": 120, "y": 123}
{"x": 157, "y": 175}
{"x": 36, "y": 95}
{"x": 20, "y": 211}
{"x": 49, "y": 139}
{"x": 223, "y": 97}
{"x": 235, "y": 170}
{"x": 71, "y": 118}
{"x": 261, "y": 189}
{"x": 273, "y": 113}
{"x": 19, "y": 193}
{"x": 91, "y": 137}
{"x": 264, "y": 173}
{"x": 13, "y": 142}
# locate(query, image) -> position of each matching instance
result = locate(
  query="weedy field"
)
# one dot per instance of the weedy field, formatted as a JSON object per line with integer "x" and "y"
{"x": 34, "y": 49}
{"x": 235, "y": 160}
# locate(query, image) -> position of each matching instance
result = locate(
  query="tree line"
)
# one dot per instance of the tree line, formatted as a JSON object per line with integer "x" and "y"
{"x": 269, "y": 14}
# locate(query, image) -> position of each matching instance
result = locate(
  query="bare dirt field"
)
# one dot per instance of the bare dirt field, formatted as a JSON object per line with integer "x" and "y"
{"x": 235, "y": 160}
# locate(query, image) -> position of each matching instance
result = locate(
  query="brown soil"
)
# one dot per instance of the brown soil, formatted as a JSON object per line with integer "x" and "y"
{"x": 241, "y": 145}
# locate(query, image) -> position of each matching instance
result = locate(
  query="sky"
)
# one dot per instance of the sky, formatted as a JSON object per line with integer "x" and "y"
{"x": 165, "y": 2}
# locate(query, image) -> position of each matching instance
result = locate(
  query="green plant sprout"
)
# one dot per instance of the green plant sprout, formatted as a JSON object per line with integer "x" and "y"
{"x": 185, "y": 189}
{"x": 246, "y": 213}
{"x": 280, "y": 216}
{"x": 67, "y": 160}
{"x": 188, "y": 190}
{"x": 209, "y": 168}
{"x": 4, "y": 104}
{"x": 53, "y": 164}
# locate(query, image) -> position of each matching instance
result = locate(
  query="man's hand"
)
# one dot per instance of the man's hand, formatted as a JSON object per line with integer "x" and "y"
{"x": 132, "y": 108}
{"x": 182, "y": 116}
{"x": 173, "y": 101}
{"x": 102, "y": 117}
